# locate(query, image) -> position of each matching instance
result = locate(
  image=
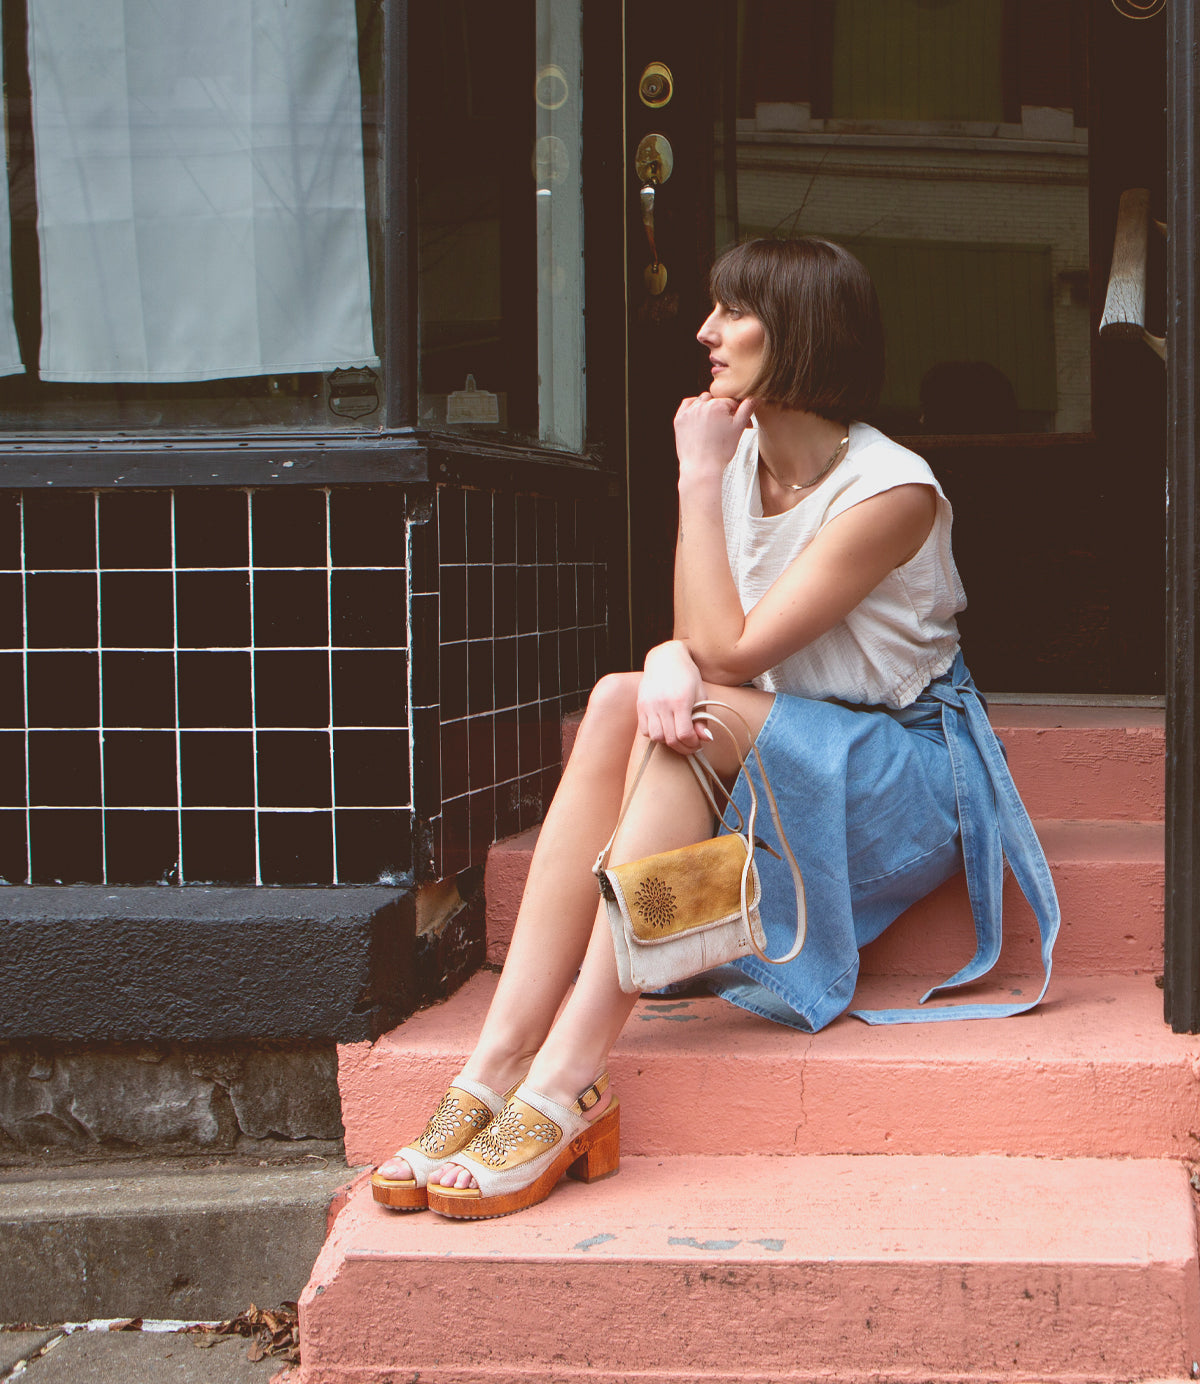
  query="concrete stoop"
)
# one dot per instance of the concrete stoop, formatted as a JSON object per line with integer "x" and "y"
{"x": 996, "y": 1200}
{"x": 142, "y": 1240}
{"x": 788, "y": 1269}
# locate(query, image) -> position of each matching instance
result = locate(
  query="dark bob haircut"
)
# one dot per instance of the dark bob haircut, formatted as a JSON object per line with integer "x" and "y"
{"x": 817, "y": 304}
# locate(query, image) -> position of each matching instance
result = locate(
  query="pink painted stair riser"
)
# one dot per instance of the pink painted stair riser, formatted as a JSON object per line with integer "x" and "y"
{"x": 1109, "y": 877}
{"x": 799, "y": 1269}
{"x": 1085, "y": 762}
{"x": 1093, "y": 1072}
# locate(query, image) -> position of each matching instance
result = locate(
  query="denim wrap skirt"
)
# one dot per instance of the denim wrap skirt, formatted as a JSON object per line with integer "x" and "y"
{"x": 880, "y": 807}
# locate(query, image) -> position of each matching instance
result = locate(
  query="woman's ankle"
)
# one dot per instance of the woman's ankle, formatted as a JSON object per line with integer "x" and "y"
{"x": 565, "y": 1081}
{"x": 499, "y": 1070}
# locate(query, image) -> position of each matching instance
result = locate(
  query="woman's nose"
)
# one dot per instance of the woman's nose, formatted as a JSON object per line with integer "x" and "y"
{"x": 707, "y": 335}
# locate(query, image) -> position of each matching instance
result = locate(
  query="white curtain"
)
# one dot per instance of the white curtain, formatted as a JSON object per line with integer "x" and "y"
{"x": 201, "y": 209}
{"x": 10, "y": 354}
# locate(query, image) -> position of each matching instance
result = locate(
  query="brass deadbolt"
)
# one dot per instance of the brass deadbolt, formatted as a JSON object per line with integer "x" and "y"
{"x": 657, "y": 86}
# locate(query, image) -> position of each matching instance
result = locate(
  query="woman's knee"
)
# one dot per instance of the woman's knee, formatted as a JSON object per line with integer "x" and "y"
{"x": 612, "y": 705}
{"x": 614, "y": 695}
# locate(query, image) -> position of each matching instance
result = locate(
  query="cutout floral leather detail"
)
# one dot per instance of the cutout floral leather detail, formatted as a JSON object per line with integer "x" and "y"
{"x": 516, "y": 1135}
{"x": 452, "y": 1122}
{"x": 655, "y": 901}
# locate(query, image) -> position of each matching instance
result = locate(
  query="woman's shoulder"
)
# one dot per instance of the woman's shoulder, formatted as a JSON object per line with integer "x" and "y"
{"x": 875, "y": 452}
{"x": 875, "y": 463}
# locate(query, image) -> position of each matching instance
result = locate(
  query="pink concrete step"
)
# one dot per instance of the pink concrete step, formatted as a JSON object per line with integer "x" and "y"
{"x": 1094, "y": 763}
{"x": 785, "y": 1269}
{"x": 1093, "y": 1072}
{"x": 1090, "y": 763}
{"x": 1109, "y": 877}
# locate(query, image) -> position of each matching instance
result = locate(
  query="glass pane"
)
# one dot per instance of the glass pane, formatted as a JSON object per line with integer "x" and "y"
{"x": 946, "y": 143}
{"x": 500, "y": 219}
{"x": 194, "y": 202}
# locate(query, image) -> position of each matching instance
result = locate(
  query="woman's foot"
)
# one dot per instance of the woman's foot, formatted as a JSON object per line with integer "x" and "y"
{"x": 517, "y": 1160}
{"x": 454, "y": 1174}
{"x": 465, "y": 1110}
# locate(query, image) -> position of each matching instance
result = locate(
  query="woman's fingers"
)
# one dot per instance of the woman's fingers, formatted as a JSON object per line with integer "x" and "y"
{"x": 743, "y": 414}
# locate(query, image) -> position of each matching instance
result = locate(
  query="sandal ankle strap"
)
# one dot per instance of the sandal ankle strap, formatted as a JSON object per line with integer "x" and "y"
{"x": 587, "y": 1099}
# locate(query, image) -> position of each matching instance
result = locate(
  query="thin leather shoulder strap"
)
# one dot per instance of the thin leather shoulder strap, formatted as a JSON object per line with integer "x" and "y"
{"x": 708, "y": 777}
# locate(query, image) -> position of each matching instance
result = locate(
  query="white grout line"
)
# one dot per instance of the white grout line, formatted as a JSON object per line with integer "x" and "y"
{"x": 25, "y": 694}
{"x": 329, "y": 668}
{"x": 100, "y": 678}
{"x": 179, "y": 875}
{"x": 408, "y": 635}
{"x": 245, "y": 807}
{"x": 253, "y": 706}
{"x": 221, "y": 649}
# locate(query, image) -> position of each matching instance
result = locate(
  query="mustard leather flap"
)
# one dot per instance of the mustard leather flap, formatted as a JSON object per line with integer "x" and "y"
{"x": 680, "y": 891}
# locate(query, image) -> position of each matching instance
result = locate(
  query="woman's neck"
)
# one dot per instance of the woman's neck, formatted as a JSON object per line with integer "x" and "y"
{"x": 796, "y": 446}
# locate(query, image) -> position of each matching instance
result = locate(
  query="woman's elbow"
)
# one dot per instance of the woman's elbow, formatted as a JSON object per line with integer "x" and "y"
{"x": 725, "y": 670}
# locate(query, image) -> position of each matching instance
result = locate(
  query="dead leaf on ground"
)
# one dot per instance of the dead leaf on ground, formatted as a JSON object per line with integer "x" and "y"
{"x": 127, "y": 1324}
{"x": 273, "y": 1332}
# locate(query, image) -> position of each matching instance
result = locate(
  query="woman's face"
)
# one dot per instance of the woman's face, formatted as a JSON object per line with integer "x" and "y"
{"x": 736, "y": 343}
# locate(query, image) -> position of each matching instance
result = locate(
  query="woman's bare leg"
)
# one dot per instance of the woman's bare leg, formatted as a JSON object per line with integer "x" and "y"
{"x": 667, "y": 811}
{"x": 558, "y": 907}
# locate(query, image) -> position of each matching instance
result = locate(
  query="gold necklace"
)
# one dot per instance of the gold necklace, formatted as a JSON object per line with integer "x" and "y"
{"x": 824, "y": 471}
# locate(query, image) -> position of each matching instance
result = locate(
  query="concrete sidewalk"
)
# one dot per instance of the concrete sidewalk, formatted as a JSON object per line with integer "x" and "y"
{"x": 131, "y": 1357}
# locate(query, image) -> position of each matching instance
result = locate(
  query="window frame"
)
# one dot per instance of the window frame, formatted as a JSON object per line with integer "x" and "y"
{"x": 399, "y": 452}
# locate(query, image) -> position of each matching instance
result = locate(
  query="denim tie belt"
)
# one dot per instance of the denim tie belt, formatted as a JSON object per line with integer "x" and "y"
{"x": 993, "y": 825}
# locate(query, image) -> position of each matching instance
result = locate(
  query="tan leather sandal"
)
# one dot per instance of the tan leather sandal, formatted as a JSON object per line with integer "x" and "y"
{"x": 466, "y": 1109}
{"x": 521, "y": 1155}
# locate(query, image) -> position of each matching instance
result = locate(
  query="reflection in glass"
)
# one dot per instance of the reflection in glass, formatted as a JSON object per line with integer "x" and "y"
{"x": 557, "y": 164}
{"x": 500, "y": 218}
{"x": 946, "y": 144}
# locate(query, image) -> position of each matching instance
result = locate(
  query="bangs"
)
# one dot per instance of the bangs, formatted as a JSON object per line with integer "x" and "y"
{"x": 818, "y": 310}
{"x": 737, "y": 279}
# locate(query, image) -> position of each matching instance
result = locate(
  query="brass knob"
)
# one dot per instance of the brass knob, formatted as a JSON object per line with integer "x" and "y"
{"x": 654, "y": 159}
{"x": 657, "y": 86}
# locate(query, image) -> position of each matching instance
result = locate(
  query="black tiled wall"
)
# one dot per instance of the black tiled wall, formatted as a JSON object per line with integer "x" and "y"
{"x": 213, "y": 686}
{"x": 204, "y": 686}
{"x": 510, "y": 616}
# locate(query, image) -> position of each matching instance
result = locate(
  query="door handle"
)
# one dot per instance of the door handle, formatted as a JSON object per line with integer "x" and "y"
{"x": 653, "y": 164}
{"x": 1124, "y": 316}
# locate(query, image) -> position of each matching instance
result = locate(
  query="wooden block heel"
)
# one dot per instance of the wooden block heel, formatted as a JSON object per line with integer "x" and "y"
{"x": 602, "y": 1157}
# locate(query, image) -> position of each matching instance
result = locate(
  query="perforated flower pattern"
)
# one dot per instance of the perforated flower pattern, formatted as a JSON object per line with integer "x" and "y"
{"x": 655, "y": 901}
{"x": 516, "y": 1130}
{"x": 452, "y": 1123}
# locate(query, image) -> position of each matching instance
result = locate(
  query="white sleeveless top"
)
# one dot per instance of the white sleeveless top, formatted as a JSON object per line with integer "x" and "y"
{"x": 897, "y": 639}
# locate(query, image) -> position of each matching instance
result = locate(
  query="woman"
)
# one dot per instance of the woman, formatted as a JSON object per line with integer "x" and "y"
{"x": 815, "y": 594}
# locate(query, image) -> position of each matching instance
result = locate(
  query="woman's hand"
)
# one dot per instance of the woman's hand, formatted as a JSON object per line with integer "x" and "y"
{"x": 707, "y": 431}
{"x": 671, "y": 685}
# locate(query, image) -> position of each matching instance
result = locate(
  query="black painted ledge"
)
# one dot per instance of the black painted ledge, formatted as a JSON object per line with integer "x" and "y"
{"x": 89, "y": 963}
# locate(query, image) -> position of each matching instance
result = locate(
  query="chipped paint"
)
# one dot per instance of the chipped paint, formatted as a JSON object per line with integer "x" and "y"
{"x": 593, "y": 1241}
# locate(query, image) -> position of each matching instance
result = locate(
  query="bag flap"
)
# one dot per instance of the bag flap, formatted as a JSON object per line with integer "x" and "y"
{"x": 679, "y": 891}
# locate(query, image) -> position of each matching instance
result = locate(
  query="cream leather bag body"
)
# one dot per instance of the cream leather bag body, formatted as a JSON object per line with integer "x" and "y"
{"x": 681, "y": 912}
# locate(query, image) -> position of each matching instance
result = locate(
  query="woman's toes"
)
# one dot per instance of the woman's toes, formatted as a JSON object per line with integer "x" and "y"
{"x": 454, "y": 1176}
{"x": 395, "y": 1170}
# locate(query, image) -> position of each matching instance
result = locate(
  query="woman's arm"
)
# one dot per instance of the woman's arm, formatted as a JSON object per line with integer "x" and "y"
{"x": 845, "y": 562}
{"x": 707, "y": 432}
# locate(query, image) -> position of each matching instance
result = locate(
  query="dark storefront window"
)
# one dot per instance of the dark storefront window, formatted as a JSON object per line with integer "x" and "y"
{"x": 193, "y": 210}
{"x": 497, "y": 143}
